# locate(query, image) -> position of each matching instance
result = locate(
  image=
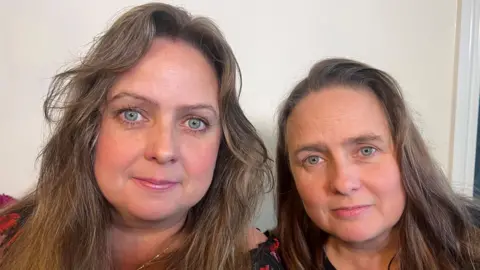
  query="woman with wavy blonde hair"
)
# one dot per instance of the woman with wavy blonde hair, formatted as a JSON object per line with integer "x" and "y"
{"x": 152, "y": 163}
{"x": 357, "y": 186}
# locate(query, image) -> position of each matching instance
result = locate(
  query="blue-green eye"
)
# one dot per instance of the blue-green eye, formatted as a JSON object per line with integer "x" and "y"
{"x": 131, "y": 115}
{"x": 196, "y": 124}
{"x": 367, "y": 151}
{"x": 313, "y": 160}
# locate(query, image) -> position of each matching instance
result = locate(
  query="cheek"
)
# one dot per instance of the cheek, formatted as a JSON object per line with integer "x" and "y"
{"x": 387, "y": 187}
{"x": 115, "y": 151}
{"x": 310, "y": 187}
{"x": 199, "y": 155}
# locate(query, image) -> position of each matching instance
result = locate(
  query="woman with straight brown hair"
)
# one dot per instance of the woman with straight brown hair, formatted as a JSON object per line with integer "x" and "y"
{"x": 357, "y": 186}
{"x": 152, "y": 163}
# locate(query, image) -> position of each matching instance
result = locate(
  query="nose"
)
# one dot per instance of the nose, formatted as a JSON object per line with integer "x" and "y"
{"x": 161, "y": 145}
{"x": 344, "y": 178}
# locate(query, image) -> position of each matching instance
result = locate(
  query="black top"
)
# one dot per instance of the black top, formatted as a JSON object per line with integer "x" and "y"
{"x": 265, "y": 256}
{"x": 327, "y": 264}
{"x": 475, "y": 212}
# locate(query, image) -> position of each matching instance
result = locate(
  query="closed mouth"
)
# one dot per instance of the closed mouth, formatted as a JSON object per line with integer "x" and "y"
{"x": 156, "y": 184}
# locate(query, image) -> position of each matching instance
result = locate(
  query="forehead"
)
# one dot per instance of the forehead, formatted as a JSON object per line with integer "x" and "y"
{"x": 333, "y": 114}
{"x": 171, "y": 69}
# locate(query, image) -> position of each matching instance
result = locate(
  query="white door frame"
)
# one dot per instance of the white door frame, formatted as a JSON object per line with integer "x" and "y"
{"x": 467, "y": 99}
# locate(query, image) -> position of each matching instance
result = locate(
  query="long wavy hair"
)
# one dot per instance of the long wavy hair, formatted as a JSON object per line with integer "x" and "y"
{"x": 65, "y": 219}
{"x": 437, "y": 228}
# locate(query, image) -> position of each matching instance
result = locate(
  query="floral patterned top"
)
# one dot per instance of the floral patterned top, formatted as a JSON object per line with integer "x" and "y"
{"x": 264, "y": 257}
{"x": 8, "y": 229}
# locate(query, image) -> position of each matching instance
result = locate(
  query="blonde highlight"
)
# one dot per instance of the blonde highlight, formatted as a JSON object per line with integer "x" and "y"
{"x": 65, "y": 219}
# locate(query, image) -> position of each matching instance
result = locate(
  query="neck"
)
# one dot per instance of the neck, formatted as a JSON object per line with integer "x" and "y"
{"x": 135, "y": 242}
{"x": 372, "y": 254}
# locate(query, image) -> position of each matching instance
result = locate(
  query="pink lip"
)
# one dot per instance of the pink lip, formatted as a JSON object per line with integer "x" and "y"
{"x": 155, "y": 184}
{"x": 351, "y": 211}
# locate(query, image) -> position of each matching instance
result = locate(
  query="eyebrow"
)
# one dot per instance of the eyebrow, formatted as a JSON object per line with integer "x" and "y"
{"x": 322, "y": 148}
{"x": 133, "y": 96}
{"x": 183, "y": 108}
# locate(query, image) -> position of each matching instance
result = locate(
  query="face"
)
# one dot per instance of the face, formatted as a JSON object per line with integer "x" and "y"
{"x": 343, "y": 162}
{"x": 160, "y": 134}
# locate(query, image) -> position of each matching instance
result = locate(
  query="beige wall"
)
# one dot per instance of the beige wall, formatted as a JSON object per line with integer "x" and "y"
{"x": 275, "y": 41}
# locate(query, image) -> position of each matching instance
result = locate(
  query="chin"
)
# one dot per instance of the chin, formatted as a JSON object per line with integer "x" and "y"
{"x": 359, "y": 234}
{"x": 153, "y": 214}
{"x": 351, "y": 238}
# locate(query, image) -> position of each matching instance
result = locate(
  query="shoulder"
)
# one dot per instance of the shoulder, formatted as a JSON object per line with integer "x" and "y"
{"x": 5, "y": 200}
{"x": 8, "y": 227}
{"x": 265, "y": 255}
{"x": 475, "y": 213}
{"x": 8, "y": 222}
{"x": 473, "y": 208}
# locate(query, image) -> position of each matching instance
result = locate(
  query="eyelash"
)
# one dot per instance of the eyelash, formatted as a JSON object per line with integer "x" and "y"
{"x": 375, "y": 150}
{"x": 204, "y": 121}
{"x": 305, "y": 160}
{"x": 119, "y": 112}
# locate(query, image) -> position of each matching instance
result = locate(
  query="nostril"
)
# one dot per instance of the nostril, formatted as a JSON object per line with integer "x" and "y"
{"x": 163, "y": 158}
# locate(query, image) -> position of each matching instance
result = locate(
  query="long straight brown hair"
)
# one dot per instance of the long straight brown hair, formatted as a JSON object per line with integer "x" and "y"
{"x": 65, "y": 219}
{"x": 437, "y": 228}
